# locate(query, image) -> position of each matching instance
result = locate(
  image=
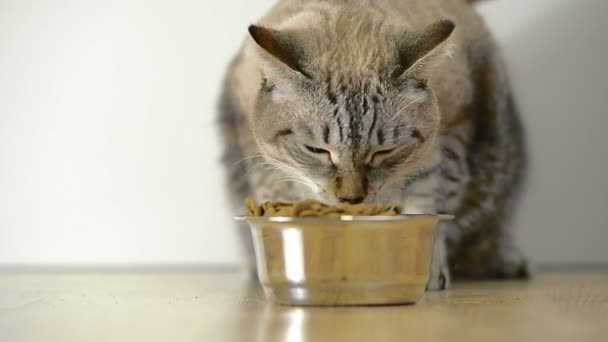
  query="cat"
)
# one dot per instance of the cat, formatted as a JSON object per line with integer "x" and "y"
{"x": 381, "y": 101}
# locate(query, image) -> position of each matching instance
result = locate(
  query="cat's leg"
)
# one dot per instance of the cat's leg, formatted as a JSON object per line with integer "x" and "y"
{"x": 261, "y": 189}
{"x": 485, "y": 242}
{"x": 488, "y": 252}
{"x": 512, "y": 263}
{"x": 239, "y": 188}
{"x": 237, "y": 144}
{"x": 439, "y": 275}
{"x": 439, "y": 278}
{"x": 422, "y": 197}
{"x": 247, "y": 250}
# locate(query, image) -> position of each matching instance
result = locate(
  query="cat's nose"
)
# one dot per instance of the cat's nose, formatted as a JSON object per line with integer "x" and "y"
{"x": 351, "y": 200}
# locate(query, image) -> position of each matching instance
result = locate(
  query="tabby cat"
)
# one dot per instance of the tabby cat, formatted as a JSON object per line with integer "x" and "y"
{"x": 381, "y": 101}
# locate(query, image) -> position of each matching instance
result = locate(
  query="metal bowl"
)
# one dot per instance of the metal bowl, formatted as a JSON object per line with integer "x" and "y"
{"x": 348, "y": 260}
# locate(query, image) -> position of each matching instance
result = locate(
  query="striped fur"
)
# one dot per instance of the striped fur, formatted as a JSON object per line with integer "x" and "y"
{"x": 368, "y": 101}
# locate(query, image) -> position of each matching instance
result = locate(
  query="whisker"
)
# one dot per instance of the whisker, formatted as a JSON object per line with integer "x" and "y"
{"x": 257, "y": 155}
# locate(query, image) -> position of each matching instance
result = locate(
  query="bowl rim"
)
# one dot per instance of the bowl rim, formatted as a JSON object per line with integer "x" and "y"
{"x": 346, "y": 218}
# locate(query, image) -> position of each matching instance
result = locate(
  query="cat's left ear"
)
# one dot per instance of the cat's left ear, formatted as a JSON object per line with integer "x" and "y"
{"x": 284, "y": 50}
{"x": 418, "y": 50}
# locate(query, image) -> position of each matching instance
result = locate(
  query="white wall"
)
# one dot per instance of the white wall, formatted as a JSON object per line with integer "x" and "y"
{"x": 108, "y": 152}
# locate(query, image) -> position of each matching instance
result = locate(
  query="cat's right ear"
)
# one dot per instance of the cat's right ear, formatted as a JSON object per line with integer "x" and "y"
{"x": 283, "y": 49}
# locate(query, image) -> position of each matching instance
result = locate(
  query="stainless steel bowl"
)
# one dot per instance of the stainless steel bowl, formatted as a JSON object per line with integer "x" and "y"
{"x": 350, "y": 260}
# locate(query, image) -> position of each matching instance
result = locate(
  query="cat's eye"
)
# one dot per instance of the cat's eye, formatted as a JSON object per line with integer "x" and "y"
{"x": 316, "y": 150}
{"x": 320, "y": 153}
{"x": 378, "y": 156}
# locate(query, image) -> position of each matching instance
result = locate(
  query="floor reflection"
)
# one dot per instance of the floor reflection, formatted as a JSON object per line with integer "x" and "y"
{"x": 281, "y": 323}
{"x": 295, "y": 323}
{"x": 264, "y": 321}
{"x": 259, "y": 320}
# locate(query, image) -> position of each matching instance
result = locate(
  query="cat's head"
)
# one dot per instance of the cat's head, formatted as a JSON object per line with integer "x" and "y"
{"x": 345, "y": 106}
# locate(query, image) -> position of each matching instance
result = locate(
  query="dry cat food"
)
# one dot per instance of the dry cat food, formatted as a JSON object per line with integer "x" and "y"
{"x": 311, "y": 207}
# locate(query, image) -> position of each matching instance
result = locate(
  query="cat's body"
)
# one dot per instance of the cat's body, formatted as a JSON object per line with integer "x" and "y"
{"x": 381, "y": 101}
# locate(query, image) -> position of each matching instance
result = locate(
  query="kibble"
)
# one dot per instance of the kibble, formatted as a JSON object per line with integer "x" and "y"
{"x": 314, "y": 208}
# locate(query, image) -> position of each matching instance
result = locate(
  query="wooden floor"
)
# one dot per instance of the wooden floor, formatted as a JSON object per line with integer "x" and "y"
{"x": 219, "y": 306}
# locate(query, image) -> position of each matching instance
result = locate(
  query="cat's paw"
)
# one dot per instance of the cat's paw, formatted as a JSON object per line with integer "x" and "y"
{"x": 512, "y": 264}
{"x": 439, "y": 278}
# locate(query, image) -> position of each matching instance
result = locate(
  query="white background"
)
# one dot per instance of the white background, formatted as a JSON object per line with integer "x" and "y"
{"x": 108, "y": 152}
